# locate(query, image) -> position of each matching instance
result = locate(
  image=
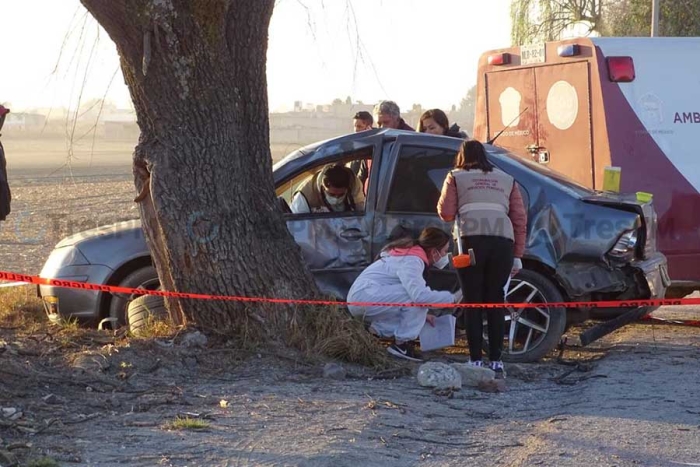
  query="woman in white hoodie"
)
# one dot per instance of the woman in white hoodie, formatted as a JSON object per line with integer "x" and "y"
{"x": 397, "y": 277}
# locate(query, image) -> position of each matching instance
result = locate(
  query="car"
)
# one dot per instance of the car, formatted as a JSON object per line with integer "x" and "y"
{"x": 582, "y": 245}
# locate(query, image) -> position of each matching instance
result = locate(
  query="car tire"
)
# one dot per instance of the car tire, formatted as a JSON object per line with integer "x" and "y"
{"x": 142, "y": 278}
{"x": 525, "y": 283}
{"x": 143, "y": 310}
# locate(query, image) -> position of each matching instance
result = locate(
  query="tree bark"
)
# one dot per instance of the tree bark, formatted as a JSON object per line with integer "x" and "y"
{"x": 202, "y": 167}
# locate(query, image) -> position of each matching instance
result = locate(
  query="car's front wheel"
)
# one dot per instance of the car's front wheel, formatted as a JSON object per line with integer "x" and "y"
{"x": 142, "y": 278}
{"x": 531, "y": 333}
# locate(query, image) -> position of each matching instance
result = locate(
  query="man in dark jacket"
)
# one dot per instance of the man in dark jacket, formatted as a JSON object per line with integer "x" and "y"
{"x": 389, "y": 116}
{"x": 5, "y": 195}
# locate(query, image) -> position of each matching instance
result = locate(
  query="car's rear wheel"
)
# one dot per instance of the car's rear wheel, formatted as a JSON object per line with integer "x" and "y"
{"x": 142, "y": 278}
{"x": 531, "y": 333}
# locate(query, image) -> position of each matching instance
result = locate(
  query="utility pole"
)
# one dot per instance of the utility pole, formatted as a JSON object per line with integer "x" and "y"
{"x": 654, "y": 18}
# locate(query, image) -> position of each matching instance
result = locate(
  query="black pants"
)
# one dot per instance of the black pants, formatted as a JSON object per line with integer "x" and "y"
{"x": 484, "y": 283}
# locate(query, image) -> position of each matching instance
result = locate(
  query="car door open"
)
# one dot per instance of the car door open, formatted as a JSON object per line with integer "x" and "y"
{"x": 335, "y": 246}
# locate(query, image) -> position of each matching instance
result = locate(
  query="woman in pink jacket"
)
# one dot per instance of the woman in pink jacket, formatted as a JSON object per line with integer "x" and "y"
{"x": 397, "y": 277}
{"x": 493, "y": 222}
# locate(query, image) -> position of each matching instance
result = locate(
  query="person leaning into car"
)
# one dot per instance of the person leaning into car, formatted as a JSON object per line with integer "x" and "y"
{"x": 333, "y": 189}
{"x": 492, "y": 221}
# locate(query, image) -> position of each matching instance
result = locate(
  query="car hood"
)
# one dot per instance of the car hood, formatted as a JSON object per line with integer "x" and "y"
{"x": 626, "y": 201}
{"x": 115, "y": 229}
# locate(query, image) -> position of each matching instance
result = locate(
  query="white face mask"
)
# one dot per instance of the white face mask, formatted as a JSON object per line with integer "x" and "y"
{"x": 334, "y": 201}
{"x": 442, "y": 262}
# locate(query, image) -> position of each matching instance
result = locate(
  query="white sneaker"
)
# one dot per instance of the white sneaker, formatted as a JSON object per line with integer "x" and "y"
{"x": 499, "y": 369}
{"x": 405, "y": 351}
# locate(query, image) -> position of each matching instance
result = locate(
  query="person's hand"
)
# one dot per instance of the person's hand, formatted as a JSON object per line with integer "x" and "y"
{"x": 430, "y": 319}
{"x": 517, "y": 266}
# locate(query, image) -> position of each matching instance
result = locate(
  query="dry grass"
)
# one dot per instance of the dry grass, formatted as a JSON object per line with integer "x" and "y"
{"x": 43, "y": 462}
{"x": 22, "y": 312}
{"x": 186, "y": 423}
{"x": 333, "y": 332}
{"x": 155, "y": 328}
{"x": 21, "y": 309}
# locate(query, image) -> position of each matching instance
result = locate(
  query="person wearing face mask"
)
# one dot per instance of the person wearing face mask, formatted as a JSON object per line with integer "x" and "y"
{"x": 397, "y": 277}
{"x": 434, "y": 121}
{"x": 492, "y": 219}
{"x": 334, "y": 189}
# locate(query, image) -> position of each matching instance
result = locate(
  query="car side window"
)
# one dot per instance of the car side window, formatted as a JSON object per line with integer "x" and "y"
{"x": 290, "y": 193}
{"x": 418, "y": 178}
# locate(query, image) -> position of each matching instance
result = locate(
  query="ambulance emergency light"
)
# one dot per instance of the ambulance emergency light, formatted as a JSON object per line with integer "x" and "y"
{"x": 499, "y": 59}
{"x": 620, "y": 69}
{"x": 568, "y": 50}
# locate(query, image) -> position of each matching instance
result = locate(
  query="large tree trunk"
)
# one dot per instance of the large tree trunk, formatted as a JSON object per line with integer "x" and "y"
{"x": 203, "y": 170}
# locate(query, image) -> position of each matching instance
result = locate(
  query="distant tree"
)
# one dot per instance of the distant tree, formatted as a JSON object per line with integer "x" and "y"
{"x": 633, "y": 18}
{"x": 547, "y": 20}
{"x": 337, "y": 102}
{"x": 348, "y": 100}
{"x": 464, "y": 115}
{"x": 468, "y": 103}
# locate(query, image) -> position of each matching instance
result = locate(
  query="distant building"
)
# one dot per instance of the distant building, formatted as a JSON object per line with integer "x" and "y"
{"x": 120, "y": 126}
{"x": 24, "y": 122}
{"x": 317, "y": 123}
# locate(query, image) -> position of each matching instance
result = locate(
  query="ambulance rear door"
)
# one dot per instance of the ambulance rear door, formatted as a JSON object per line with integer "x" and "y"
{"x": 545, "y": 111}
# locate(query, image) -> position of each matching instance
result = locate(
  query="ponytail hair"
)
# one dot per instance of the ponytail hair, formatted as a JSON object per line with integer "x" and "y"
{"x": 472, "y": 154}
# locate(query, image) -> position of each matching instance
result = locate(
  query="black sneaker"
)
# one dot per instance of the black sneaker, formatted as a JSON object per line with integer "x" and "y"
{"x": 497, "y": 368}
{"x": 406, "y": 351}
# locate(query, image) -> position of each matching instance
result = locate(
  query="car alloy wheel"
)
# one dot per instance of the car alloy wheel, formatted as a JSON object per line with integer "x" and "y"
{"x": 532, "y": 332}
{"x": 525, "y": 327}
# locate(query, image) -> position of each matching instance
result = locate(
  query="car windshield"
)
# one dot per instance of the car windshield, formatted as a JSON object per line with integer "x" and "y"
{"x": 569, "y": 183}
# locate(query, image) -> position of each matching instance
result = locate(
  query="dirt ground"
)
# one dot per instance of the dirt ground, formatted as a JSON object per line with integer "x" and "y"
{"x": 90, "y": 398}
{"x": 93, "y": 399}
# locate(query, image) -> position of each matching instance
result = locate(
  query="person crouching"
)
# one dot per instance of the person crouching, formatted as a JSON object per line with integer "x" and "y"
{"x": 397, "y": 277}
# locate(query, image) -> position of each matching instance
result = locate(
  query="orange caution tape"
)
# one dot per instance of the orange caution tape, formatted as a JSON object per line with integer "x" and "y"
{"x": 16, "y": 277}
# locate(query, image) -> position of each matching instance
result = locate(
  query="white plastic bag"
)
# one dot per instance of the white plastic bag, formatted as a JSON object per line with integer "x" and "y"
{"x": 440, "y": 336}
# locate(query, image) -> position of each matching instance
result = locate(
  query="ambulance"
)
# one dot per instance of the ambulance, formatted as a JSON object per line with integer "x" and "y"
{"x": 628, "y": 107}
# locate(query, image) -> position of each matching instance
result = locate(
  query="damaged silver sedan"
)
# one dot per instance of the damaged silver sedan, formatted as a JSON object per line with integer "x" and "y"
{"x": 582, "y": 245}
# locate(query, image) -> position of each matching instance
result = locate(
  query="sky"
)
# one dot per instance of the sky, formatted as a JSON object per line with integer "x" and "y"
{"x": 54, "y": 54}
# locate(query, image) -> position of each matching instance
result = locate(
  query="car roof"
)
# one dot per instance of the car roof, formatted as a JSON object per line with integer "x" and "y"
{"x": 310, "y": 154}
{"x": 316, "y": 152}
